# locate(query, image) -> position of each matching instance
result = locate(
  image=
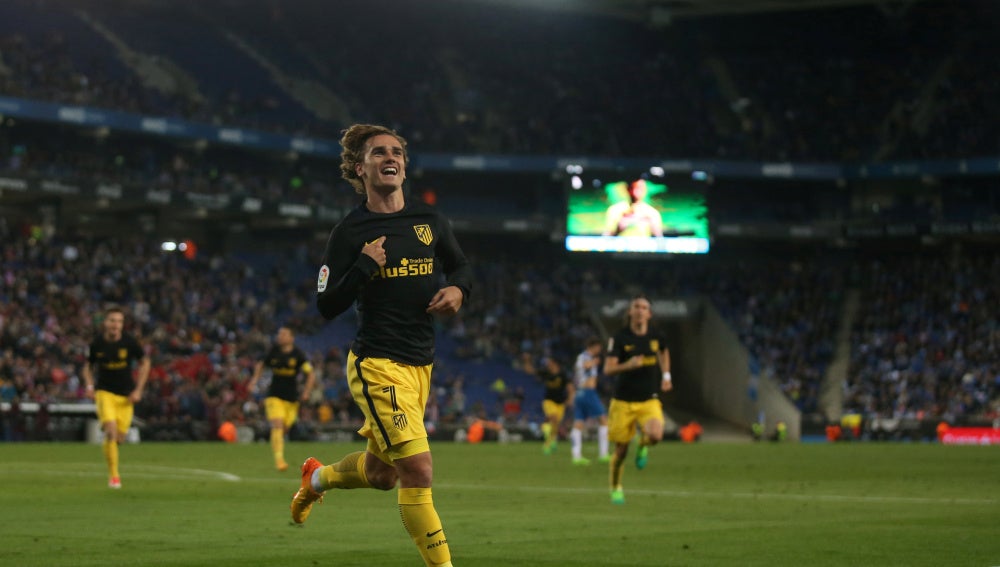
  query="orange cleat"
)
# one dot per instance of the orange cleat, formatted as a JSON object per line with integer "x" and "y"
{"x": 305, "y": 497}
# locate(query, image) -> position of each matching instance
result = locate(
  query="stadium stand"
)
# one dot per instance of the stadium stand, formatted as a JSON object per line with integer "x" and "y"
{"x": 897, "y": 245}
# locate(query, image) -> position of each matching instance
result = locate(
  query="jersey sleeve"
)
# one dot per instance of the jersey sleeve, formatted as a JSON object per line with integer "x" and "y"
{"x": 305, "y": 366}
{"x": 137, "y": 351}
{"x": 456, "y": 266}
{"x": 343, "y": 273}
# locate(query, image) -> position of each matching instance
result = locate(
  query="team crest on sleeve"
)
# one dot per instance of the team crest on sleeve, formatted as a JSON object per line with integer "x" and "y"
{"x": 324, "y": 276}
{"x": 424, "y": 233}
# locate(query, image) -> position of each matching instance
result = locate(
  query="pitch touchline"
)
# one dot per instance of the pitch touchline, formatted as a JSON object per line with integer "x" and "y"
{"x": 155, "y": 471}
{"x": 181, "y": 473}
{"x": 689, "y": 494}
{"x": 765, "y": 495}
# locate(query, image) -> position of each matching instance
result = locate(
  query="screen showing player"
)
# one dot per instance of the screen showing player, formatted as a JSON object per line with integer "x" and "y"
{"x": 636, "y": 213}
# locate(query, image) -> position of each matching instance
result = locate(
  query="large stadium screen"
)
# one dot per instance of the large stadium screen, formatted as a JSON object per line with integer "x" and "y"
{"x": 636, "y": 213}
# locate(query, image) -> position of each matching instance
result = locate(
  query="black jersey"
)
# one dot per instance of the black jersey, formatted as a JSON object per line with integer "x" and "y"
{"x": 285, "y": 368}
{"x": 555, "y": 385}
{"x": 113, "y": 363}
{"x": 642, "y": 383}
{"x": 392, "y": 300}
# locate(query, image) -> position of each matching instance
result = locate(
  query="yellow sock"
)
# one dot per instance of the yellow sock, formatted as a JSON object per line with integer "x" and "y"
{"x": 349, "y": 472}
{"x": 547, "y": 431}
{"x": 278, "y": 445}
{"x": 416, "y": 506}
{"x": 615, "y": 471}
{"x": 110, "y": 449}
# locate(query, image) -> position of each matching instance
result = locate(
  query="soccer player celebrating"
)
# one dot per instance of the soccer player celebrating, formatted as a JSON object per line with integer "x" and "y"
{"x": 639, "y": 356}
{"x": 114, "y": 355}
{"x": 389, "y": 255}
{"x": 281, "y": 405}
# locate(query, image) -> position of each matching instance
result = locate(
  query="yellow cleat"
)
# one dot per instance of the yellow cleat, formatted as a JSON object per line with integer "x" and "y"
{"x": 305, "y": 497}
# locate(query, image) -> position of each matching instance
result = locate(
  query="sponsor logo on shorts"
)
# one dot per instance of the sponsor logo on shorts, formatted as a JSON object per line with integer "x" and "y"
{"x": 399, "y": 420}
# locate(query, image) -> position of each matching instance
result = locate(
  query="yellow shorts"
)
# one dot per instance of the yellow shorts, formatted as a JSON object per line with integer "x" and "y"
{"x": 623, "y": 417}
{"x": 112, "y": 407}
{"x": 553, "y": 410}
{"x": 392, "y": 396}
{"x": 286, "y": 411}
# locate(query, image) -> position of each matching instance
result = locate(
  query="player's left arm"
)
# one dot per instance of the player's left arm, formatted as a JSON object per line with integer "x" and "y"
{"x": 667, "y": 383}
{"x": 142, "y": 376}
{"x": 458, "y": 273}
{"x": 657, "y": 221}
{"x": 310, "y": 372}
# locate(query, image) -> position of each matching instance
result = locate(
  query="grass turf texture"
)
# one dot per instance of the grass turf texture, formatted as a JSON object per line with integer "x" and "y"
{"x": 703, "y": 504}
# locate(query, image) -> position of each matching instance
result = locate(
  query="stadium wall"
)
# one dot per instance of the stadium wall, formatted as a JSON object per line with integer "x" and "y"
{"x": 716, "y": 377}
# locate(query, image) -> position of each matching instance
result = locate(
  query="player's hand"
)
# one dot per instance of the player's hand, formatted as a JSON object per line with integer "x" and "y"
{"x": 447, "y": 301}
{"x": 135, "y": 396}
{"x": 88, "y": 392}
{"x": 666, "y": 385}
{"x": 635, "y": 361}
{"x": 375, "y": 251}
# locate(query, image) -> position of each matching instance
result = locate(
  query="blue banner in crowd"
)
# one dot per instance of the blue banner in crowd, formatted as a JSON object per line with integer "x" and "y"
{"x": 157, "y": 126}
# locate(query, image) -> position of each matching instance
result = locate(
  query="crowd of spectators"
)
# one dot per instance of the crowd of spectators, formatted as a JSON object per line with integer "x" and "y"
{"x": 491, "y": 79}
{"x": 925, "y": 340}
{"x": 923, "y": 346}
{"x": 926, "y": 343}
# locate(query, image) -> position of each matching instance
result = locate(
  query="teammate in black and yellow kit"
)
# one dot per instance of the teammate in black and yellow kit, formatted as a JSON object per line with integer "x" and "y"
{"x": 399, "y": 260}
{"x": 281, "y": 405}
{"x": 114, "y": 355}
{"x": 640, "y": 358}
{"x": 558, "y": 389}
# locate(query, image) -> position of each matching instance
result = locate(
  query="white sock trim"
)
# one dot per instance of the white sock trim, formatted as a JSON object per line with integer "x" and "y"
{"x": 315, "y": 481}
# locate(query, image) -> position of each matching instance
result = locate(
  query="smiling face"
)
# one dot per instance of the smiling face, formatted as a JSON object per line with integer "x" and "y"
{"x": 383, "y": 164}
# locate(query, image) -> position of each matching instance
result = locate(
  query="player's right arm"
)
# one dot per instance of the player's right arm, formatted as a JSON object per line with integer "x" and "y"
{"x": 257, "y": 370}
{"x": 613, "y": 364}
{"x": 347, "y": 266}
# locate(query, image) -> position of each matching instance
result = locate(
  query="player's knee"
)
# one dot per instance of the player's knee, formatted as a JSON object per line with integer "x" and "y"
{"x": 380, "y": 475}
{"x": 416, "y": 470}
{"x": 384, "y": 480}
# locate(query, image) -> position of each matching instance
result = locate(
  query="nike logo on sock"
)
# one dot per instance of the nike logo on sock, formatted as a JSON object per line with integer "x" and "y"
{"x": 434, "y": 533}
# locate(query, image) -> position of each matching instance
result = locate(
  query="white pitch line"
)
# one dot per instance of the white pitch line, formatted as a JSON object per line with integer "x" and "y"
{"x": 181, "y": 473}
{"x": 748, "y": 495}
{"x": 153, "y": 471}
{"x": 691, "y": 494}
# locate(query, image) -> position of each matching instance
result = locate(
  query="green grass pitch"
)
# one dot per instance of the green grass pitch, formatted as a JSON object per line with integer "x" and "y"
{"x": 694, "y": 505}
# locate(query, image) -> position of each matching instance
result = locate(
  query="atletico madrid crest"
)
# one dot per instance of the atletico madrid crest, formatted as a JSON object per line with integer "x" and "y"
{"x": 424, "y": 233}
{"x": 399, "y": 420}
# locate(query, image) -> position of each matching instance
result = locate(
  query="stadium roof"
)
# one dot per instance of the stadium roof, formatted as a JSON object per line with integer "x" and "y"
{"x": 663, "y": 12}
